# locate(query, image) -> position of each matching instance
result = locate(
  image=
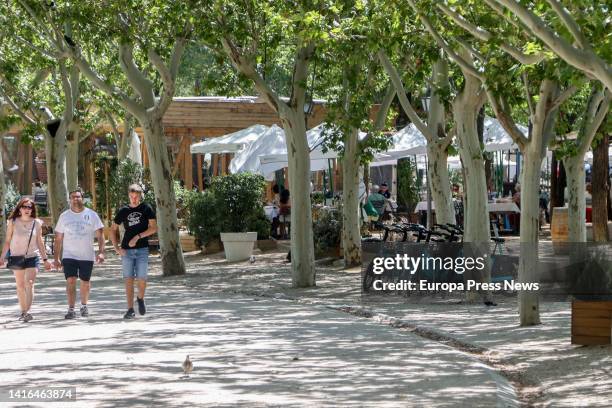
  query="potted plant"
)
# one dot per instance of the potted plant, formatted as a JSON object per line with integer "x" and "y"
{"x": 239, "y": 202}
{"x": 231, "y": 209}
{"x": 327, "y": 231}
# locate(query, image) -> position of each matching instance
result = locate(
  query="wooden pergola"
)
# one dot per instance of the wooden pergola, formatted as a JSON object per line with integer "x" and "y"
{"x": 188, "y": 120}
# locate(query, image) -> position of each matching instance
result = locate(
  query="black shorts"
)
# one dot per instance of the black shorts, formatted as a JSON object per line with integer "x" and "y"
{"x": 74, "y": 268}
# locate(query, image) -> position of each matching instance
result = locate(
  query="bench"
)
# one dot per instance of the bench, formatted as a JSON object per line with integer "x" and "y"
{"x": 592, "y": 322}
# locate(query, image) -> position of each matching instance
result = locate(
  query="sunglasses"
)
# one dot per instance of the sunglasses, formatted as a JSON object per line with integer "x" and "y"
{"x": 27, "y": 207}
{"x": 135, "y": 191}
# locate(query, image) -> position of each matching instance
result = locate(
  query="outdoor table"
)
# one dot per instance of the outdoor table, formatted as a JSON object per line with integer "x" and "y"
{"x": 503, "y": 207}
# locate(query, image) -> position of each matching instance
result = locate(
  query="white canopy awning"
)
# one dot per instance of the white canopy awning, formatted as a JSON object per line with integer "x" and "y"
{"x": 272, "y": 141}
{"x": 496, "y": 138}
{"x": 231, "y": 143}
{"x": 269, "y": 163}
{"x": 410, "y": 141}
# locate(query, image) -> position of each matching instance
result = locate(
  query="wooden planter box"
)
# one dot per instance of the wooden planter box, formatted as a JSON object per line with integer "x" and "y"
{"x": 266, "y": 244}
{"x": 592, "y": 322}
{"x": 188, "y": 242}
{"x": 212, "y": 247}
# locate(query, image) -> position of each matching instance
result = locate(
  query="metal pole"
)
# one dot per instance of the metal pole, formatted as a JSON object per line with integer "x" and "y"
{"x": 429, "y": 217}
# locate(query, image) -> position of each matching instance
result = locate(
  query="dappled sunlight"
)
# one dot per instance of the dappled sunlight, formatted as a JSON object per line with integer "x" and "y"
{"x": 245, "y": 350}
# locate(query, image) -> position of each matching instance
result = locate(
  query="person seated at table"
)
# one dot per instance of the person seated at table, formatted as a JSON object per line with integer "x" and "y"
{"x": 544, "y": 205}
{"x": 275, "y": 197}
{"x": 377, "y": 200}
{"x": 284, "y": 210}
{"x": 384, "y": 190}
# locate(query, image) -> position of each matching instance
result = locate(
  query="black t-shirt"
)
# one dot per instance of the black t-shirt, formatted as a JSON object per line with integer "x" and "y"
{"x": 386, "y": 194}
{"x": 135, "y": 220}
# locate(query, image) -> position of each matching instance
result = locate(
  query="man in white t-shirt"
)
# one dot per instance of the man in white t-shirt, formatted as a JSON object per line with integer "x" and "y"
{"x": 74, "y": 233}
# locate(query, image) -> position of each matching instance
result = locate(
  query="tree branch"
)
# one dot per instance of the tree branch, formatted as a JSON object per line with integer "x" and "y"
{"x": 69, "y": 102}
{"x": 503, "y": 113}
{"x": 168, "y": 73}
{"x": 565, "y": 95}
{"x": 125, "y": 101}
{"x": 247, "y": 69}
{"x": 300, "y": 75}
{"x": 484, "y": 35}
{"x": 569, "y": 23}
{"x": 528, "y": 94}
{"x": 585, "y": 60}
{"x": 385, "y": 105}
{"x": 596, "y": 111}
{"x": 16, "y": 108}
{"x": 141, "y": 84}
{"x": 401, "y": 94}
{"x": 464, "y": 65}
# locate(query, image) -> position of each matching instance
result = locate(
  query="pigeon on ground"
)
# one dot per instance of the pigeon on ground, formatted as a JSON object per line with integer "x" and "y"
{"x": 187, "y": 366}
{"x": 252, "y": 259}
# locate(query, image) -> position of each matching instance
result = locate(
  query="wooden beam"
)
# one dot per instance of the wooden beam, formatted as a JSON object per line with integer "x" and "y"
{"x": 199, "y": 163}
{"x": 144, "y": 153}
{"x": 188, "y": 162}
{"x": 223, "y": 164}
{"x": 27, "y": 169}
{"x": 180, "y": 156}
{"x": 215, "y": 162}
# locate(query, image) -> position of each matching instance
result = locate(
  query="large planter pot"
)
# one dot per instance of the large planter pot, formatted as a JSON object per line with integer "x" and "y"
{"x": 238, "y": 245}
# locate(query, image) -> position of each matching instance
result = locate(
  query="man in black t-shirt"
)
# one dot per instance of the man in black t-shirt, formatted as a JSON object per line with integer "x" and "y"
{"x": 138, "y": 220}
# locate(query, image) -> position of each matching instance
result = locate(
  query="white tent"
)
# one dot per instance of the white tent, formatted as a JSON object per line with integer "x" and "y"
{"x": 231, "y": 143}
{"x": 272, "y": 141}
{"x": 269, "y": 163}
{"x": 405, "y": 142}
{"x": 410, "y": 141}
{"x": 134, "y": 153}
{"x": 496, "y": 138}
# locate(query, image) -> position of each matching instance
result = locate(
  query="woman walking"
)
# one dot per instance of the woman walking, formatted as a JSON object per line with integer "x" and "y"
{"x": 25, "y": 242}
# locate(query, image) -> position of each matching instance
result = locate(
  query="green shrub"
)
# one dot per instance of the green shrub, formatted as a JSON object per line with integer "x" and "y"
{"x": 317, "y": 197}
{"x": 407, "y": 184}
{"x": 239, "y": 199}
{"x": 11, "y": 197}
{"x": 327, "y": 231}
{"x": 202, "y": 221}
{"x": 233, "y": 203}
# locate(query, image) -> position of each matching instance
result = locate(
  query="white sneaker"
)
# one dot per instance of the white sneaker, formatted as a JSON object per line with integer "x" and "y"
{"x": 84, "y": 311}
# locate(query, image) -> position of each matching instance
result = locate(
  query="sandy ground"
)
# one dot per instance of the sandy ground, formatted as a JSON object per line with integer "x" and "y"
{"x": 251, "y": 346}
{"x": 540, "y": 359}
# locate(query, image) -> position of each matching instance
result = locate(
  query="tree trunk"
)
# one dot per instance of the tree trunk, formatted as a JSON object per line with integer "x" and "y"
{"x": 161, "y": 177}
{"x": 474, "y": 174}
{"x": 439, "y": 183}
{"x": 351, "y": 231}
{"x": 57, "y": 196}
{"x": 438, "y": 178}
{"x": 126, "y": 140}
{"x": 601, "y": 191}
{"x": 302, "y": 244}
{"x": 72, "y": 163}
{"x": 529, "y": 306}
{"x": 574, "y": 167}
{"x": 2, "y": 183}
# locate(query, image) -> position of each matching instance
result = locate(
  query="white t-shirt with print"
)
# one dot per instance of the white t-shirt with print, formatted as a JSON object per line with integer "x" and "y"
{"x": 79, "y": 230}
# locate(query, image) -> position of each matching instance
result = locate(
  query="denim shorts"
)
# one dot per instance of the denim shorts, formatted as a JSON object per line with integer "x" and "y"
{"x": 135, "y": 263}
